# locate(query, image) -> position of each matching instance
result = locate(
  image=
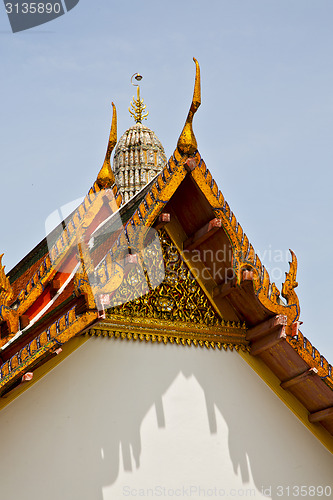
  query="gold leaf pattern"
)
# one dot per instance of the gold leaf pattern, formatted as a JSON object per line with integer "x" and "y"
{"x": 178, "y": 298}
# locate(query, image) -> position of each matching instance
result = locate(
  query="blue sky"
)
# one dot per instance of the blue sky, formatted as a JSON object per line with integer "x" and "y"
{"x": 264, "y": 127}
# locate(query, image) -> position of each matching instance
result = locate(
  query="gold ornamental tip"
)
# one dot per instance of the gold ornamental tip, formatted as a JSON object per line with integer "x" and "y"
{"x": 105, "y": 178}
{"x": 187, "y": 143}
{"x": 6, "y": 292}
{"x": 138, "y": 108}
{"x": 290, "y": 282}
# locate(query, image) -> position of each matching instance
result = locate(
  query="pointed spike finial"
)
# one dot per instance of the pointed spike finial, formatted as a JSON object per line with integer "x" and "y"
{"x": 105, "y": 178}
{"x": 138, "y": 108}
{"x": 6, "y": 292}
{"x": 3, "y": 280}
{"x": 187, "y": 143}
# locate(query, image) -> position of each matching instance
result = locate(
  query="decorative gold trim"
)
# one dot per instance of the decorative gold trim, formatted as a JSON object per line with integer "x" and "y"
{"x": 7, "y": 314}
{"x": 228, "y": 332}
{"x": 172, "y": 338}
{"x": 166, "y": 184}
{"x": 176, "y": 297}
{"x": 65, "y": 328}
{"x": 6, "y": 292}
{"x": 187, "y": 143}
{"x": 138, "y": 108}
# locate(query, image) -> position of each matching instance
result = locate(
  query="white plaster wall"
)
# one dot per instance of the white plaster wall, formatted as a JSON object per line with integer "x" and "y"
{"x": 119, "y": 420}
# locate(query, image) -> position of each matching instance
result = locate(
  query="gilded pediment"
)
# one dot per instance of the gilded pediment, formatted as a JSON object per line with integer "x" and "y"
{"x": 177, "y": 310}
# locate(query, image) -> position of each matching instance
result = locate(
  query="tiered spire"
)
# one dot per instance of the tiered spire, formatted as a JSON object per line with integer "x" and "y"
{"x": 139, "y": 155}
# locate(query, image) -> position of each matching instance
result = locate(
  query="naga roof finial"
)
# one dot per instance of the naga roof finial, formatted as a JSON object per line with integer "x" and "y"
{"x": 187, "y": 143}
{"x": 290, "y": 282}
{"x": 6, "y": 293}
{"x": 137, "y": 105}
{"x": 7, "y": 314}
{"x": 105, "y": 178}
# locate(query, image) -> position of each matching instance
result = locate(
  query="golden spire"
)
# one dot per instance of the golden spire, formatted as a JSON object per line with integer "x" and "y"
{"x": 105, "y": 177}
{"x": 137, "y": 104}
{"x": 187, "y": 143}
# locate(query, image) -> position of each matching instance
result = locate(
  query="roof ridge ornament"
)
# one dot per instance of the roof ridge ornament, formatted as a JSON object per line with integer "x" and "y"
{"x": 290, "y": 282}
{"x": 187, "y": 143}
{"x": 137, "y": 105}
{"x": 105, "y": 178}
{"x": 6, "y": 292}
{"x": 7, "y": 314}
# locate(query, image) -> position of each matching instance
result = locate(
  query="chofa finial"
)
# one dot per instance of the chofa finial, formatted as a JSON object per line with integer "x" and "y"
{"x": 6, "y": 293}
{"x": 7, "y": 314}
{"x": 187, "y": 143}
{"x": 137, "y": 105}
{"x": 105, "y": 178}
{"x": 290, "y": 282}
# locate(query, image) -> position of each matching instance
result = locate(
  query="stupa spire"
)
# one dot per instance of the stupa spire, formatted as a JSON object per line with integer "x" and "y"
{"x": 138, "y": 108}
{"x": 139, "y": 155}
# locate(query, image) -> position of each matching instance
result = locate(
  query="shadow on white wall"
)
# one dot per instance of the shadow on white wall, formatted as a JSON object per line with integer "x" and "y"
{"x": 85, "y": 425}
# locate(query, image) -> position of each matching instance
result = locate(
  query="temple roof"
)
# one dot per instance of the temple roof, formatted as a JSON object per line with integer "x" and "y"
{"x": 60, "y": 293}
